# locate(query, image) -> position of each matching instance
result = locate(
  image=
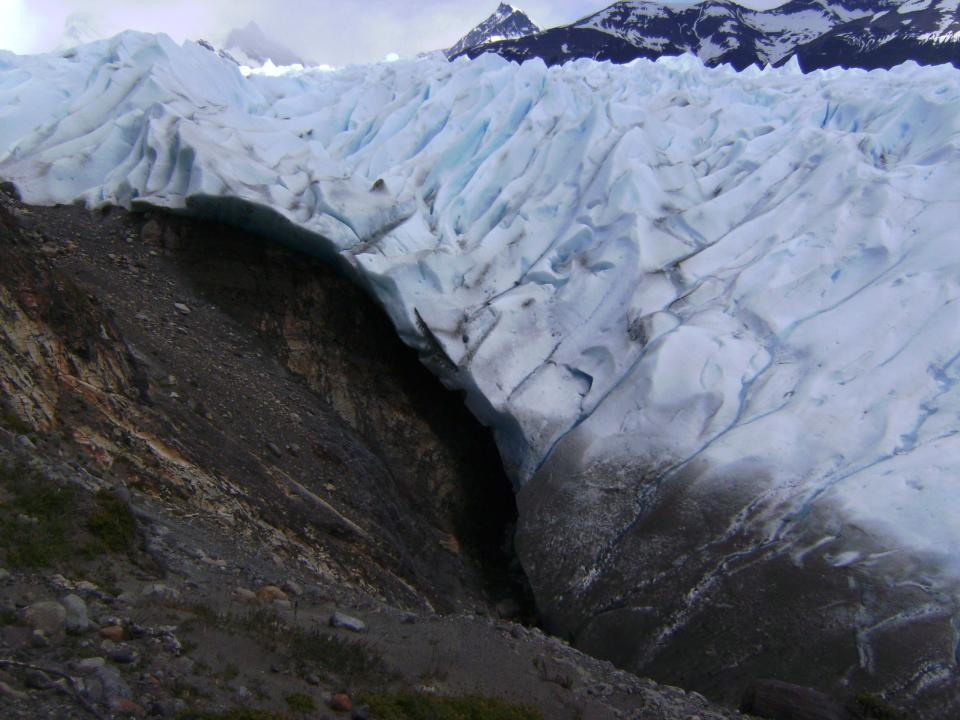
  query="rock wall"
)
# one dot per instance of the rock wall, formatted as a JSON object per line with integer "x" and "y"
{"x": 256, "y": 387}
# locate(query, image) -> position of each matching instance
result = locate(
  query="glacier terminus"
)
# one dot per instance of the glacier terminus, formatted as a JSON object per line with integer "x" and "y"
{"x": 711, "y": 316}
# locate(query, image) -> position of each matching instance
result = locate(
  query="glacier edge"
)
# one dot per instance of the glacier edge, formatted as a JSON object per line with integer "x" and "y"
{"x": 657, "y": 269}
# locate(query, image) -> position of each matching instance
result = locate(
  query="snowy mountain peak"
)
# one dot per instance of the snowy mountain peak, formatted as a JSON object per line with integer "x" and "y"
{"x": 822, "y": 33}
{"x": 506, "y": 23}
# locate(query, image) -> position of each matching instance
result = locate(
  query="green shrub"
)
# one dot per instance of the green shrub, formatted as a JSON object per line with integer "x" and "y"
{"x": 410, "y": 706}
{"x": 354, "y": 661}
{"x": 300, "y": 703}
{"x": 14, "y": 424}
{"x": 112, "y": 525}
{"x": 46, "y": 523}
{"x": 872, "y": 707}
{"x": 34, "y": 518}
{"x": 241, "y": 714}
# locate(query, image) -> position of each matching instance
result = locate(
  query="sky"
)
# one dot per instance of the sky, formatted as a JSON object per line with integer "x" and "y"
{"x": 334, "y": 32}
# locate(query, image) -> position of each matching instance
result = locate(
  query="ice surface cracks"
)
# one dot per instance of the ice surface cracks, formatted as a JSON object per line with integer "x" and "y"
{"x": 543, "y": 213}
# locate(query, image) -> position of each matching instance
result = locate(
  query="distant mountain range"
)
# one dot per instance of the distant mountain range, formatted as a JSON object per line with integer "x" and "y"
{"x": 850, "y": 33}
{"x": 80, "y": 28}
{"x": 249, "y": 45}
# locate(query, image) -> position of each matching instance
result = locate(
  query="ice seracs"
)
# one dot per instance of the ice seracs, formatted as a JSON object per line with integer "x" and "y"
{"x": 711, "y": 316}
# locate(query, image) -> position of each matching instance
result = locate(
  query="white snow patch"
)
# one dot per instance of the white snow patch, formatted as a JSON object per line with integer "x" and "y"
{"x": 913, "y": 6}
{"x": 940, "y": 37}
{"x": 655, "y": 43}
{"x": 709, "y": 49}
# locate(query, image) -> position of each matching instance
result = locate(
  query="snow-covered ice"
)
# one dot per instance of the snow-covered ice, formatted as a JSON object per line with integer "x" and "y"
{"x": 707, "y": 264}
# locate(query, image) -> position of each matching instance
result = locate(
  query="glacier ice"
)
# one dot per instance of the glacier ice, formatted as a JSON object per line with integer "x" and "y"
{"x": 655, "y": 263}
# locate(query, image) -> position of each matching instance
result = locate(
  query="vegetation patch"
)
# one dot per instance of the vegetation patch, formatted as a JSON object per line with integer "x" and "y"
{"x": 352, "y": 663}
{"x": 871, "y": 707}
{"x": 300, "y": 703}
{"x": 242, "y": 714}
{"x": 45, "y": 523}
{"x": 34, "y": 518}
{"x": 14, "y": 424}
{"x": 410, "y": 706}
{"x": 355, "y": 662}
{"x": 112, "y": 525}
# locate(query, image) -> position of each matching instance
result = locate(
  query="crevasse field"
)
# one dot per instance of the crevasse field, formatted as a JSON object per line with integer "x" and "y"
{"x": 672, "y": 264}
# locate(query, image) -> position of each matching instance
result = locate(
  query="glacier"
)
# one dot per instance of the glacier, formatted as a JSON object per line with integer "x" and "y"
{"x": 710, "y": 316}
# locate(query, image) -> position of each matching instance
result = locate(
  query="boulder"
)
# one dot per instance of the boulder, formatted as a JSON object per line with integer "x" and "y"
{"x": 347, "y": 622}
{"x": 112, "y": 632}
{"x": 158, "y": 592}
{"x": 48, "y": 617}
{"x": 341, "y": 702}
{"x": 77, "y": 620}
{"x": 270, "y": 594}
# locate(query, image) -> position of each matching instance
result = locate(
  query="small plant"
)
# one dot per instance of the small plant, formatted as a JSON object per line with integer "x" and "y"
{"x": 256, "y": 687}
{"x": 230, "y": 671}
{"x": 241, "y": 714}
{"x": 34, "y": 525}
{"x": 111, "y": 524}
{"x": 184, "y": 690}
{"x": 352, "y": 661}
{"x": 436, "y": 671}
{"x": 871, "y": 707}
{"x": 14, "y": 424}
{"x": 410, "y": 706}
{"x": 300, "y": 703}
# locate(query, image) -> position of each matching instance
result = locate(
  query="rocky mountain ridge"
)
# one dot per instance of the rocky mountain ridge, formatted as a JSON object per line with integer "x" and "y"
{"x": 505, "y": 23}
{"x": 867, "y": 34}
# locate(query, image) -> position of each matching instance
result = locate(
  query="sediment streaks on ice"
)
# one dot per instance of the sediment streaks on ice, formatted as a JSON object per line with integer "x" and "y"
{"x": 709, "y": 264}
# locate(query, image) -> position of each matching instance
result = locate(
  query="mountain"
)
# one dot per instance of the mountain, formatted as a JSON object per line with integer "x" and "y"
{"x": 710, "y": 317}
{"x": 926, "y": 31}
{"x": 852, "y": 33}
{"x": 506, "y": 23}
{"x": 251, "y": 46}
{"x": 80, "y": 28}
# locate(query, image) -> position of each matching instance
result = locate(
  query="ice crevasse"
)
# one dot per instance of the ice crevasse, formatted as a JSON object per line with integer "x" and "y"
{"x": 669, "y": 263}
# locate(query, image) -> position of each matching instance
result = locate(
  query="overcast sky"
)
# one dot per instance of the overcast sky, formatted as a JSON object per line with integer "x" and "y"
{"x": 335, "y": 32}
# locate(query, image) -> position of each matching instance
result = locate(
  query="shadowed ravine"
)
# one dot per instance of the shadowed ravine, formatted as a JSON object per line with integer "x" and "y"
{"x": 272, "y": 369}
{"x": 210, "y": 449}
